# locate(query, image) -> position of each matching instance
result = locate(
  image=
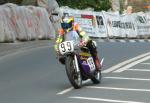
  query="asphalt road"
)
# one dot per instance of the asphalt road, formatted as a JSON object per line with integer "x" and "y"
{"x": 35, "y": 76}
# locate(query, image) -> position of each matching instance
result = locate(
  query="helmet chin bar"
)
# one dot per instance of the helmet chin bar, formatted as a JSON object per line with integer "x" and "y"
{"x": 65, "y": 20}
{"x": 69, "y": 29}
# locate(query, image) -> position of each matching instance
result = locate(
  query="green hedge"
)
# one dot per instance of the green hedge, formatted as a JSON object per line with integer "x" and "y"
{"x": 79, "y": 4}
{"x": 82, "y": 4}
{"x": 19, "y": 2}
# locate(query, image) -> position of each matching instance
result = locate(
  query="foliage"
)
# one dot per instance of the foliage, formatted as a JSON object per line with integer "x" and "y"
{"x": 19, "y": 2}
{"x": 98, "y": 5}
{"x": 10, "y": 1}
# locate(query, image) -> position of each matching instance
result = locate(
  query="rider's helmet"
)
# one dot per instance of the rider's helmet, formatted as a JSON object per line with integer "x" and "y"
{"x": 67, "y": 22}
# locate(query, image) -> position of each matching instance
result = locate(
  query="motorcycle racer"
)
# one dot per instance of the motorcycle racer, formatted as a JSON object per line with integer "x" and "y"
{"x": 69, "y": 28}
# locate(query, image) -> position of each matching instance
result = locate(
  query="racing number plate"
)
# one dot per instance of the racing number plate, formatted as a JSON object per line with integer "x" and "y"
{"x": 66, "y": 47}
{"x": 91, "y": 63}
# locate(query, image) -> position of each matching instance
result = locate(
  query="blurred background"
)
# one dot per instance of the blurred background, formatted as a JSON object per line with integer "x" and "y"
{"x": 34, "y": 19}
{"x": 97, "y": 5}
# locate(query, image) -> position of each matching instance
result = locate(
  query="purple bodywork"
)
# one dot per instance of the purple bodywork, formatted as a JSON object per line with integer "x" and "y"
{"x": 84, "y": 65}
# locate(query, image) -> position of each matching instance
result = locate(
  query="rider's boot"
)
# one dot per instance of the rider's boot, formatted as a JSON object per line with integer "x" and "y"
{"x": 97, "y": 63}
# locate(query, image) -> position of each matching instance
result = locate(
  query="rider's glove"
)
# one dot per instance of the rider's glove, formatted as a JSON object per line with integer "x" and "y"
{"x": 82, "y": 44}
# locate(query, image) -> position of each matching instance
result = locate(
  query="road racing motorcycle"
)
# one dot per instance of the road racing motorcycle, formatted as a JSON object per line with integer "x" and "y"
{"x": 79, "y": 64}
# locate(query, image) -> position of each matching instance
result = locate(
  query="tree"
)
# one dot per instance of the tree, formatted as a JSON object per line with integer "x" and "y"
{"x": 98, "y": 5}
{"x": 11, "y": 1}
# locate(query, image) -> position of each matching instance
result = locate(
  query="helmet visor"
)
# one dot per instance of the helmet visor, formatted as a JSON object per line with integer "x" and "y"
{"x": 66, "y": 25}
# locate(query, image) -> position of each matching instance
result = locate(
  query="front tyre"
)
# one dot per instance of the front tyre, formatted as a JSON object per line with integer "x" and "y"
{"x": 96, "y": 79}
{"x": 74, "y": 76}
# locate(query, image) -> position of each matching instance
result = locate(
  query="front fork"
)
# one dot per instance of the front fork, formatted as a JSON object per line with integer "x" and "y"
{"x": 76, "y": 64}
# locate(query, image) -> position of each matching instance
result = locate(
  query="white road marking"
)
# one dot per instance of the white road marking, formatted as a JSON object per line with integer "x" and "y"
{"x": 104, "y": 100}
{"x": 65, "y": 91}
{"x": 123, "y": 89}
{"x": 148, "y": 40}
{"x": 132, "y": 64}
{"x": 146, "y": 63}
{"x": 132, "y": 41}
{"x": 141, "y": 40}
{"x": 142, "y": 70}
{"x": 71, "y": 88}
{"x": 123, "y": 78}
{"x": 125, "y": 63}
{"x": 123, "y": 41}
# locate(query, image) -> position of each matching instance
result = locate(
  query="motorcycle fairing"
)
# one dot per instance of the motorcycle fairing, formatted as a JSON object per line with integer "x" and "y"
{"x": 83, "y": 56}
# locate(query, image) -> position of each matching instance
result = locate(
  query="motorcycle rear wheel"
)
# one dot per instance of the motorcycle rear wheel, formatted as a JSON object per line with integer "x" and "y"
{"x": 96, "y": 79}
{"x": 74, "y": 76}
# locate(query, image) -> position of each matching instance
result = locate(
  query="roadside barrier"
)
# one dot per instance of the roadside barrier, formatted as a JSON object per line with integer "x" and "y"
{"x": 24, "y": 23}
{"x": 112, "y": 24}
{"x": 27, "y": 23}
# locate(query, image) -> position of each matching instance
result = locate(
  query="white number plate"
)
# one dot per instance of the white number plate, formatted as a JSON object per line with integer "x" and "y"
{"x": 91, "y": 63}
{"x": 66, "y": 47}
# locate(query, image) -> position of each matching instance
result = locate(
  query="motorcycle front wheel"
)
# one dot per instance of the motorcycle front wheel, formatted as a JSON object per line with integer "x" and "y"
{"x": 71, "y": 70}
